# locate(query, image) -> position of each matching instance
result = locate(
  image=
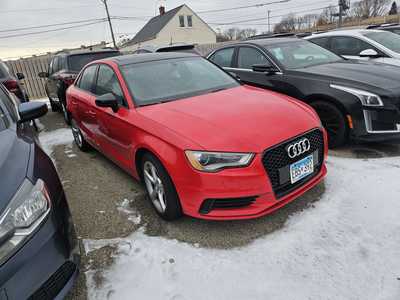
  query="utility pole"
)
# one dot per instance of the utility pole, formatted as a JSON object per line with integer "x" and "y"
{"x": 343, "y": 6}
{"x": 269, "y": 21}
{"x": 109, "y": 22}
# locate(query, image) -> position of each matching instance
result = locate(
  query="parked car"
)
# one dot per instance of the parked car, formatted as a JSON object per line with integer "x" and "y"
{"x": 395, "y": 27}
{"x": 361, "y": 44}
{"x": 187, "y": 48}
{"x": 39, "y": 254}
{"x": 203, "y": 144}
{"x": 12, "y": 82}
{"x": 355, "y": 100}
{"x": 62, "y": 71}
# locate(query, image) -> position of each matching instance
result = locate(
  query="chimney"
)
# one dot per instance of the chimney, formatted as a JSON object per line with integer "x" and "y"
{"x": 162, "y": 10}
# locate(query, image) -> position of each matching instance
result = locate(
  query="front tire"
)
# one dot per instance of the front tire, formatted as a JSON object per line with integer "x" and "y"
{"x": 160, "y": 188}
{"x": 78, "y": 137}
{"x": 334, "y": 122}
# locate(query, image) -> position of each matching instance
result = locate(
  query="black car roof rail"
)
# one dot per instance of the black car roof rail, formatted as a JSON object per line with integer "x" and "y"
{"x": 271, "y": 35}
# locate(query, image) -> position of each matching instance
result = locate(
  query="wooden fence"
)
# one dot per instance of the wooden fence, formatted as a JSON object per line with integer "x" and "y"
{"x": 31, "y": 67}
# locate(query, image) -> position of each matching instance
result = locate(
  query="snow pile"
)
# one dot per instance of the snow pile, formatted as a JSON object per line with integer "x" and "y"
{"x": 126, "y": 208}
{"x": 347, "y": 247}
{"x": 51, "y": 139}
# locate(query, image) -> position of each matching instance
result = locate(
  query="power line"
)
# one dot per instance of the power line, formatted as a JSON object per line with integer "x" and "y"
{"x": 276, "y": 16}
{"x": 51, "y": 25}
{"x": 50, "y": 30}
{"x": 242, "y": 7}
{"x": 42, "y": 9}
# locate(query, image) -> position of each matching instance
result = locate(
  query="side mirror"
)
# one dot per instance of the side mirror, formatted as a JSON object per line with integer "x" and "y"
{"x": 43, "y": 75}
{"x": 20, "y": 76}
{"x": 371, "y": 53}
{"x": 30, "y": 111}
{"x": 108, "y": 100}
{"x": 268, "y": 69}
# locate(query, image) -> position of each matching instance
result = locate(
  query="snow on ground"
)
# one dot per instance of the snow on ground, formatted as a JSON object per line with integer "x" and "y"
{"x": 347, "y": 247}
{"x": 50, "y": 139}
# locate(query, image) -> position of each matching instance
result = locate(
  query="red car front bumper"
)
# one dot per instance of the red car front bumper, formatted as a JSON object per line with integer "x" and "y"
{"x": 252, "y": 181}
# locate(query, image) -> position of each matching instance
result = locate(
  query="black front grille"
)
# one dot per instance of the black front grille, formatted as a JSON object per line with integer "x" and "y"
{"x": 228, "y": 203}
{"x": 276, "y": 162}
{"x": 53, "y": 286}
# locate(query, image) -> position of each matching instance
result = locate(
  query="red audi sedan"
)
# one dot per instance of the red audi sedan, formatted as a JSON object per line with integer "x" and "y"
{"x": 202, "y": 143}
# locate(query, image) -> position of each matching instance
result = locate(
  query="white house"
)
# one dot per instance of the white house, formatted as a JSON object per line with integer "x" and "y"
{"x": 179, "y": 25}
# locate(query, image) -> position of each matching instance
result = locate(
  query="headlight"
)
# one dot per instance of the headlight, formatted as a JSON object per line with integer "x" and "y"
{"x": 215, "y": 161}
{"x": 366, "y": 98}
{"x": 24, "y": 214}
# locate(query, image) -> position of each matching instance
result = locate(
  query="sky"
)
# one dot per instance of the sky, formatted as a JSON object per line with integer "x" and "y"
{"x": 17, "y": 14}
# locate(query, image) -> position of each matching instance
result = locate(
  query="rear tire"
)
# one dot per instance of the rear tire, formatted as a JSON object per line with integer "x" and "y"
{"x": 334, "y": 122}
{"x": 78, "y": 137}
{"x": 160, "y": 188}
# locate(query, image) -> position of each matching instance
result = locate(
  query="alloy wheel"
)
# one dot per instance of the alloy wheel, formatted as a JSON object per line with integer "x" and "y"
{"x": 154, "y": 186}
{"x": 77, "y": 134}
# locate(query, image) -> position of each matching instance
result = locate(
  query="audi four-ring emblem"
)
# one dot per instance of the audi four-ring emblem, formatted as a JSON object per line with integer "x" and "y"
{"x": 298, "y": 148}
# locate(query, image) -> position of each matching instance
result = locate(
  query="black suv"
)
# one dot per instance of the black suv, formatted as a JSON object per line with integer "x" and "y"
{"x": 63, "y": 70}
{"x": 39, "y": 253}
{"x": 12, "y": 82}
{"x": 355, "y": 100}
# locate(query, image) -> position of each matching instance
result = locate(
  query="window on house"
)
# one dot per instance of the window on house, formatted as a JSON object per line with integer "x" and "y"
{"x": 182, "y": 21}
{"x": 189, "y": 21}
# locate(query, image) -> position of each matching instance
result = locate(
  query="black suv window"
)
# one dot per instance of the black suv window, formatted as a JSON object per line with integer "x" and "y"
{"x": 249, "y": 56}
{"x": 56, "y": 65}
{"x": 87, "y": 79}
{"x": 223, "y": 58}
{"x": 107, "y": 82}
{"x": 344, "y": 45}
{"x": 78, "y": 61}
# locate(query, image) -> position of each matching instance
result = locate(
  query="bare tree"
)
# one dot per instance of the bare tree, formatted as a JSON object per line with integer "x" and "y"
{"x": 328, "y": 15}
{"x": 365, "y": 9}
{"x": 393, "y": 9}
{"x": 288, "y": 24}
{"x": 247, "y": 32}
{"x": 235, "y": 33}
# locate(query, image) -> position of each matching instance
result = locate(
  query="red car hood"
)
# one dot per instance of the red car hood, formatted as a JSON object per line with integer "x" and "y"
{"x": 242, "y": 119}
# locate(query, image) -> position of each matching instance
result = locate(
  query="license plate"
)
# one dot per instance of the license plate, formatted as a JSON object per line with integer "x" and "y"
{"x": 301, "y": 169}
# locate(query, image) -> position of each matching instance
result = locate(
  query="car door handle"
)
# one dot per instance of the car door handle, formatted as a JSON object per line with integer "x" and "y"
{"x": 92, "y": 113}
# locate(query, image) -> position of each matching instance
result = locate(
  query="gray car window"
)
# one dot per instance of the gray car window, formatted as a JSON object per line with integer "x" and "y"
{"x": 345, "y": 45}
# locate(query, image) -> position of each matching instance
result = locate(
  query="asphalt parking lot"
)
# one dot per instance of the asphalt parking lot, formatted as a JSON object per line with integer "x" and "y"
{"x": 106, "y": 203}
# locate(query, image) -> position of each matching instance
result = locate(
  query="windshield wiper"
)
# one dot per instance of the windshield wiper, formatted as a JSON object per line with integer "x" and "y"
{"x": 218, "y": 90}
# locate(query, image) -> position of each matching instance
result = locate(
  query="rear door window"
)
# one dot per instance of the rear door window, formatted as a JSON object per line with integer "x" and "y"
{"x": 223, "y": 58}
{"x": 86, "y": 81}
{"x": 249, "y": 56}
{"x": 107, "y": 82}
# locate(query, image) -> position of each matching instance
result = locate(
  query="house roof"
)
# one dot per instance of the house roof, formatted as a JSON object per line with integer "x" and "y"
{"x": 154, "y": 26}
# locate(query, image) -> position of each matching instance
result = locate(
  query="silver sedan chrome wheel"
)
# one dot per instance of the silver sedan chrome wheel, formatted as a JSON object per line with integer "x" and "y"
{"x": 154, "y": 186}
{"x": 77, "y": 134}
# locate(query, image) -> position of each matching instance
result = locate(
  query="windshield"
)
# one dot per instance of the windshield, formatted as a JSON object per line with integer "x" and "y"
{"x": 77, "y": 62}
{"x": 301, "y": 54}
{"x": 387, "y": 39}
{"x": 172, "y": 79}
